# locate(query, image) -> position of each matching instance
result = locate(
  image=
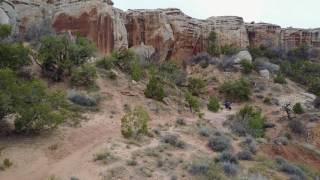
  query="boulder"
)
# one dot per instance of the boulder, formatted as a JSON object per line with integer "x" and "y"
{"x": 264, "y": 63}
{"x": 228, "y": 62}
{"x": 243, "y": 55}
{"x": 144, "y": 52}
{"x": 4, "y": 18}
{"x": 265, "y": 73}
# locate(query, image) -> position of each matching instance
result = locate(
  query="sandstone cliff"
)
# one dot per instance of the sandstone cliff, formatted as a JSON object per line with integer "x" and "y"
{"x": 170, "y": 32}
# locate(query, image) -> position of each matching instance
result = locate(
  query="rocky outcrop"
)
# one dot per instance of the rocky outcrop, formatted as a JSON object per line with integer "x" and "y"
{"x": 231, "y": 31}
{"x": 275, "y": 37}
{"x": 243, "y": 56}
{"x": 171, "y": 33}
{"x": 263, "y": 63}
{"x": 177, "y": 36}
{"x": 150, "y": 27}
{"x": 292, "y": 38}
{"x": 98, "y": 21}
{"x": 262, "y": 34}
{"x": 8, "y": 13}
{"x": 265, "y": 74}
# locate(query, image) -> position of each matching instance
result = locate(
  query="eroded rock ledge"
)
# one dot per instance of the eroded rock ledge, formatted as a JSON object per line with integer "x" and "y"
{"x": 172, "y": 34}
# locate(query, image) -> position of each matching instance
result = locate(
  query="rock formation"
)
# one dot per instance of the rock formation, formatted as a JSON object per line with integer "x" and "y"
{"x": 273, "y": 36}
{"x": 263, "y": 34}
{"x": 177, "y": 36}
{"x": 171, "y": 33}
{"x": 96, "y": 20}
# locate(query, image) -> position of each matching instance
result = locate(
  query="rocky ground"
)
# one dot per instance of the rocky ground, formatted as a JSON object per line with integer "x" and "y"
{"x": 95, "y": 149}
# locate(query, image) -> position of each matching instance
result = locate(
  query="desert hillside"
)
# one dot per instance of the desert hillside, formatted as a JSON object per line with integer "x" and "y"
{"x": 90, "y": 92}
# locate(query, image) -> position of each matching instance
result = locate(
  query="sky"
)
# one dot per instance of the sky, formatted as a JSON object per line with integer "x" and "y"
{"x": 286, "y": 13}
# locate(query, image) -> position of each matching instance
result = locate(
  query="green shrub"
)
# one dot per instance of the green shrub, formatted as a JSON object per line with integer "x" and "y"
{"x": 181, "y": 122}
{"x": 106, "y": 63}
{"x": 123, "y": 59}
{"x": 316, "y": 102}
{"x": 205, "y": 131}
{"x": 155, "y": 89}
{"x": 229, "y": 50}
{"x": 132, "y": 162}
{"x": 263, "y": 51}
{"x": 314, "y": 86}
{"x": 128, "y": 62}
{"x": 83, "y": 99}
{"x": 249, "y": 144}
{"x": 219, "y": 143}
{"x": 12, "y": 55}
{"x": 105, "y": 157}
{"x": 267, "y": 101}
{"x": 245, "y": 155}
{"x": 299, "y": 53}
{"x": 173, "y": 140}
{"x": 171, "y": 72}
{"x": 298, "y": 109}
{"x": 247, "y": 66}
{"x": 7, "y": 163}
{"x": 5, "y": 30}
{"x": 213, "y": 45}
{"x": 303, "y": 72}
{"x": 230, "y": 169}
{"x": 286, "y": 167}
{"x": 237, "y": 90}
{"x": 59, "y": 54}
{"x": 112, "y": 75}
{"x": 249, "y": 121}
{"x": 297, "y": 127}
{"x": 229, "y": 163}
{"x": 196, "y": 86}
{"x": 280, "y": 79}
{"x": 135, "y": 123}
{"x": 256, "y": 52}
{"x": 36, "y": 107}
{"x": 85, "y": 75}
{"x": 136, "y": 70}
{"x": 214, "y": 104}
{"x": 193, "y": 102}
{"x": 206, "y": 169}
{"x": 227, "y": 156}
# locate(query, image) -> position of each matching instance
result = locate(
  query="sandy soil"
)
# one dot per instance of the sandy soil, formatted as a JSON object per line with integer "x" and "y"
{"x": 70, "y": 151}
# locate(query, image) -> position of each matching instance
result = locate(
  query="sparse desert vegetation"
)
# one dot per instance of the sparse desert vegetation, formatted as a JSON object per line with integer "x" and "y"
{"x": 98, "y": 104}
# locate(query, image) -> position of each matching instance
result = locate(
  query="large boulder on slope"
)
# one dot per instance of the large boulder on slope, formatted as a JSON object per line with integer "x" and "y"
{"x": 242, "y": 55}
{"x": 262, "y": 63}
{"x": 265, "y": 74}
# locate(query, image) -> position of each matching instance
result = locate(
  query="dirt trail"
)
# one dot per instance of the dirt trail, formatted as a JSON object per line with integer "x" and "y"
{"x": 218, "y": 119}
{"x": 74, "y": 152}
{"x": 69, "y": 152}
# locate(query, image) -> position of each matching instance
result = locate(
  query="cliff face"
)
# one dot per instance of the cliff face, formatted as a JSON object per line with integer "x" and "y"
{"x": 170, "y": 32}
{"x": 273, "y": 36}
{"x": 97, "y": 20}
{"x": 175, "y": 35}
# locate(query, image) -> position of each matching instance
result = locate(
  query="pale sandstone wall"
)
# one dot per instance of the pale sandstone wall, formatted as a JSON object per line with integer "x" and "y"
{"x": 170, "y": 32}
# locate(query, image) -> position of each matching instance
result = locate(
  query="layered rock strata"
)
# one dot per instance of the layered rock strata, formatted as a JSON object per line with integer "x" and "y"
{"x": 171, "y": 33}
